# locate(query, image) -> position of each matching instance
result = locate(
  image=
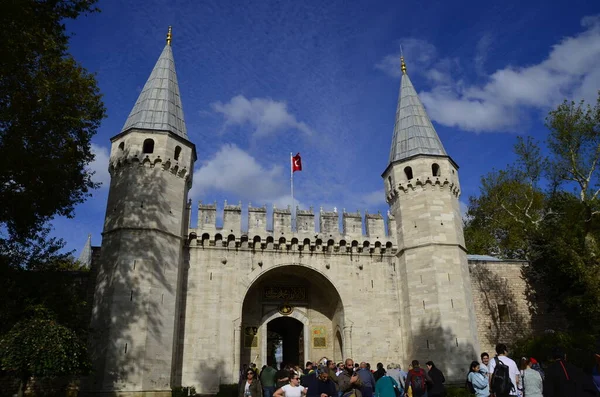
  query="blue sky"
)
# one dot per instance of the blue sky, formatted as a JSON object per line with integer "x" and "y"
{"x": 261, "y": 79}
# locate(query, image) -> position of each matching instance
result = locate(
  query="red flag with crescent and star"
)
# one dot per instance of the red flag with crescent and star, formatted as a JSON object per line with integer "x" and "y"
{"x": 296, "y": 163}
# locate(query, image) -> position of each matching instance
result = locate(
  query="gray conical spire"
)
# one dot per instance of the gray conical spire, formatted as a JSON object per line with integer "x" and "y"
{"x": 413, "y": 132}
{"x": 85, "y": 258}
{"x": 159, "y": 105}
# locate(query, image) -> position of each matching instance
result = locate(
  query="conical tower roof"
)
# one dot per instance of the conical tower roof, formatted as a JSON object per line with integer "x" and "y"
{"x": 159, "y": 105}
{"x": 85, "y": 258}
{"x": 413, "y": 132}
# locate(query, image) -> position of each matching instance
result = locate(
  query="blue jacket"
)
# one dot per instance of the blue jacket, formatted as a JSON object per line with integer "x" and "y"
{"x": 480, "y": 384}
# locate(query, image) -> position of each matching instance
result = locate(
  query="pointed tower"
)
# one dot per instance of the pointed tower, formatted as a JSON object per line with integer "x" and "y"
{"x": 422, "y": 190}
{"x": 135, "y": 316}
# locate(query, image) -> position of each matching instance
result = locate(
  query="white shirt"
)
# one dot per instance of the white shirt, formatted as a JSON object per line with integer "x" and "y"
{"x": 292, "y": 391}
{"x": 247, "y": 389}
{"x": 513, "y": 371}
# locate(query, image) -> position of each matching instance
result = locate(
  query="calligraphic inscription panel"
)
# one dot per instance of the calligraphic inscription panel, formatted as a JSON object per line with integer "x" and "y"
{"x": 284, "y": 293}
{"x": 319, "y": 336}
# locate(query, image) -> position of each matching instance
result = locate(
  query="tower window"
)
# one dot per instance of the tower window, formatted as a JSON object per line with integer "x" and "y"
{"x": 177, "y": 152}
{"x": 122, "y": 146}
{"x": 391, "y": 185}
{"x": 148, "y": 146}
{"x": 435, "y": 169}
{"x": 408, "y": 172}
{"x": 503, "y": 313}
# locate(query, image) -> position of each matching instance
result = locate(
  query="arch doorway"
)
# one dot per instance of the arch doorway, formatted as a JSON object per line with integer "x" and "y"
{"x": 290, "y": 315}
{"x": 285, "y": 341}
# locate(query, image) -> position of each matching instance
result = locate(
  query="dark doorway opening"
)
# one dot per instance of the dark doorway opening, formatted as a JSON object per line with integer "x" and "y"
{"x": 285, "y": 341}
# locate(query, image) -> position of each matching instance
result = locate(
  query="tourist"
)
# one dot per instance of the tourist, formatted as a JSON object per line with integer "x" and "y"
{"x": 478, "y": 379}
{"x": 283, "y": 376}
{"x": 513, "y": 371}
{"x": 437, "y": 388}
{"x": 386, "y": 386}
{"x": 367, "y": 380}
{"x": 268, "y": 378}
{"x": 417, "y": 379}
{"x": 531, "y": 380}
{"x": 293, "y": 389}
{"x": 348, "y": 380}
{"x": 397, "y": 374}
{"x": 326, "y": 386}
{"x": 308, "y": 368}
{"x": 332, "y": 372}
{"x": 251, "y": 387}
{"x": 564, "y": 379}
{"x": 485, "y": 361}
{"x": 379, "y": 372}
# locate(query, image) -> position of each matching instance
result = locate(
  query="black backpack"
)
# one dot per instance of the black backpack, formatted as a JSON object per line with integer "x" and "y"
{"x": 418, "y": 382}
{"x": 501, "y": 383}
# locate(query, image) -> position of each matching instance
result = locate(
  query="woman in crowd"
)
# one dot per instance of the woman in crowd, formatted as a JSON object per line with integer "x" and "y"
{"x": 294, "y": 389}
{"x": 437, "y": 388}
{"x": 251, "y": 386}
{"x": 531, "y": 379}
{"x": 478, "y": 380}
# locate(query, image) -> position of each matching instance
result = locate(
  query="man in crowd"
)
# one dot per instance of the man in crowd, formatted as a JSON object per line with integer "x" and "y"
{"x": 513, "y": 370}
{"x": 485, "y": 361}
{"x": 268, "y": 378}
{"x": 417, "y": 379}
{"x": 367, "y": 380}
{"x": 348, "y": 380}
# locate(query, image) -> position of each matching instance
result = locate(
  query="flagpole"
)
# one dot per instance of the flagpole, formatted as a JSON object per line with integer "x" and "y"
{"x": 292, "y": 185}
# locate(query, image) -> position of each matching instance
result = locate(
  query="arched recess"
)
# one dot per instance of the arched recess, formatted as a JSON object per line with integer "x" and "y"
{"x": 293, "y": 291}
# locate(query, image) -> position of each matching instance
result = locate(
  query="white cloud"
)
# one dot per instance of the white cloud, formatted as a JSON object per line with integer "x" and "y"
{"x": 501, "y": 103}
{"x": 232, "y": 170}
{"x": 373, "y": 199}
{"x": 265, "y": 115}
{"x": 100, "y": 165}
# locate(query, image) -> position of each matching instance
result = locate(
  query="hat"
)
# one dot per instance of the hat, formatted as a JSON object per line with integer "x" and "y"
{"x": 532, "y": 361}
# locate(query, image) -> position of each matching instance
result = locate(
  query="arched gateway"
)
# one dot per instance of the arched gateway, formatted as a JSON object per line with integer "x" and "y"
{"x": 291, "y": 314}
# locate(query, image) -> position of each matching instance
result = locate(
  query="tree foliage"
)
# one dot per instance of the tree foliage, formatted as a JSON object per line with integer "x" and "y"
{"x": 42, "y": 347}
{"x": 50, "y": 107}
{"x": 546, "y": 210}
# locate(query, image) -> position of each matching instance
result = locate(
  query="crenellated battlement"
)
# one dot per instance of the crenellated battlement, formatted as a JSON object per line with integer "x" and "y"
{"x": 417, "y": 183}
{"x": 283, "y": 234}
{"x": 146, "y": 160}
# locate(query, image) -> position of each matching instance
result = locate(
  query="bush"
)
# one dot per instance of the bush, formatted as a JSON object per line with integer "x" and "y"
{"x": 457, "y": 391}
{"x": 579, "y": 347}
{"x": 230, "y": 390}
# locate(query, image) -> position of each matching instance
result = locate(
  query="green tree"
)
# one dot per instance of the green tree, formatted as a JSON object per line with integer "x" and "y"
{"x": 555, "y": 227}
{"x": 510, "y": 208}
{"x": 40, "y": 346}
{"x": 50, "y": 107}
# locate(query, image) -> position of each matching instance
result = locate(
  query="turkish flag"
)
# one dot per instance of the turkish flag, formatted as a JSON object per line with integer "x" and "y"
{"x": 296, "y": 163}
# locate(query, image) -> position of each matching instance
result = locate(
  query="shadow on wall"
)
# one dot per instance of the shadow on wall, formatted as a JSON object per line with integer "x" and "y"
{"x": 441, "y": 345}
{"x": 208, "y": 375}
{"x": 136, "y": 284}
{"x": 503, "y": 307}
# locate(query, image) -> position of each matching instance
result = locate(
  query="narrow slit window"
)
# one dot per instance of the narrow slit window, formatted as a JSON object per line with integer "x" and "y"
{"x": 503, "y": 313}
{"x": 435, "y": 169}
{"x": 177, "y": 152}
{"x": 122, "y": 146}
{"x": 408, "y": 172}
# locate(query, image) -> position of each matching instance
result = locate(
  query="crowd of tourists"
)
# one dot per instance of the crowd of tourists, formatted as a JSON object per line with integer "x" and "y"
{"x": 499, "y": 376}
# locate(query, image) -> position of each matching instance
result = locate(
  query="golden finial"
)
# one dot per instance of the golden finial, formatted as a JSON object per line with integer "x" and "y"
{"x": 169, "y": 35}
{"x": 402, "y": 64}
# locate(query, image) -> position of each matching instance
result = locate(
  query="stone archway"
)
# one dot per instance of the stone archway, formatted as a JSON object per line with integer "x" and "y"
{"x": 284, "y": 296}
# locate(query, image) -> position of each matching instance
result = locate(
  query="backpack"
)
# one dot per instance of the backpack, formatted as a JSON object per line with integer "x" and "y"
{"x": 469, "y": 385}
{"x": 501, "y": 383}
{"x": 417, "y": 382}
